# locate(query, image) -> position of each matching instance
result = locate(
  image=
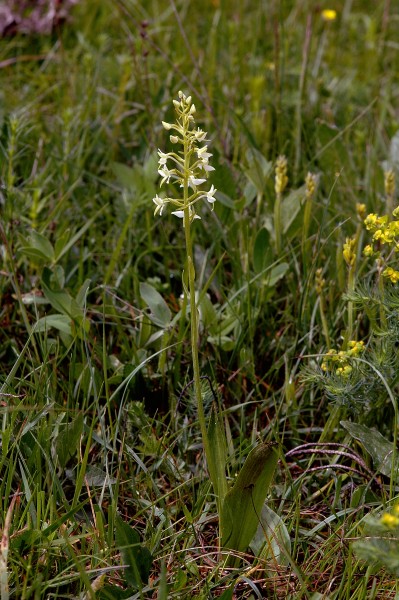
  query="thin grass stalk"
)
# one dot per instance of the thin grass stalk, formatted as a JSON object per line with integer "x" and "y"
{"x": 302, "y": 83}
{"x": 351, "y": 289}
{"x": 277, "y": 223}
{"x": 324, "y": 324}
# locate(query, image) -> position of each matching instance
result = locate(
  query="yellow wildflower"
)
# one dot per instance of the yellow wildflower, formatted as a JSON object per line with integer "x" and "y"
{"x": 373, "y": 221}
{"x": 344, "y": 371}
{"x": 311, "y": 183}
{"x": 281, "y": 178}
{"x": 355, "y": 348}
{"x": 368, "y": 250}
{"x": 361, "y": 211}
{"x": 330, "y": 356}
{"x": 389, "y": 520}
{"x": 349, "y": 251}
{"x": 328, "y": 14}
{"x": 391, "y": 274}
{"x": 343, "y": 358}
{"x": 389, "y": 183}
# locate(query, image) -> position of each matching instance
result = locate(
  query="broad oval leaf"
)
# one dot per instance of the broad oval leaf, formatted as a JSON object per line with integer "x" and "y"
{"x": 379, "y": 448}
{"x": 136, "y": 558}
{"x": 271, "y": 540}
{"x": 243, "y": 503}
{"x": 262, "y": 253}
{"x": 160, "y": 311}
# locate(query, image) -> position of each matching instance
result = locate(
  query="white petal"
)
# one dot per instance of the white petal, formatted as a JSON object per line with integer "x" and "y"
{"x": 194, "y": 181}
{"x": 178, "y": 213}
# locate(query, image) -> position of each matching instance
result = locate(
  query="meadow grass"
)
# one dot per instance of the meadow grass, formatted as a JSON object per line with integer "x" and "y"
{"x": 104, "y": 491}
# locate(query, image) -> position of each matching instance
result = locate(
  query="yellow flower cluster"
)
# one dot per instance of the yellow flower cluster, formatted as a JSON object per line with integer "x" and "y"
{"x": 389, "y": 183}
{"x": 368, "y": 250}
{"x": 349, "y": 251}
{"x": 281, "y": 178}
{"x": 311, "y": 184}
{"x": 391, "y": 520}
{"x": 391, "y": 274}
{"x": 320, "y": 282}
{"x": 384, "y": 231}
{"x": 340, "y": 361}
{"x": 361, "y": 210}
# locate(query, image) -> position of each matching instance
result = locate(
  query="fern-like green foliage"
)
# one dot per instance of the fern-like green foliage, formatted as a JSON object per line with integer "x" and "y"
{"x": 364, "y": 389}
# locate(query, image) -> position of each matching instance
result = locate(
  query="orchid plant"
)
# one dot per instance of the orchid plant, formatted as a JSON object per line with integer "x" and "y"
{"x": 189, "y": 167}
{"x": 238, "y": 507}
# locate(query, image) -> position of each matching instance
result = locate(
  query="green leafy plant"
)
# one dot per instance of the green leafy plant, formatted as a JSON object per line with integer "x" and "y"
{"x": 380, "y": 545}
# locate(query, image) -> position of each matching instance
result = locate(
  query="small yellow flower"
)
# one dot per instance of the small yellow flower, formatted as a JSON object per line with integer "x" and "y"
{"x": 373, "y": 221}
{"x": 368, "y": 250}
{"x": 389, "y": 182}
{"x": 281, "y": 178}
{"x": 349, "y": 251}
{"x": 328, "y": 14}
{"x": 361, "y": 211}
{"x": 355, "y": 348}
{"x": 391, "y": 274}
{"x": 320, "y": 282}
{"x": 389, "y": 520}
{"x": 330, "y": 356}
{"x": 344, "y": 371}
{"x": 343, "y": 358}
{"x": 311, "y": 183}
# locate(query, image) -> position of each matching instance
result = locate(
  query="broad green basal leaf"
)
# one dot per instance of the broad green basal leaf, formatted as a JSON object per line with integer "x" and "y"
{"x": 243, "y": 503}
{"x": 379, "y": 448}
{"x": 271, "y": 540}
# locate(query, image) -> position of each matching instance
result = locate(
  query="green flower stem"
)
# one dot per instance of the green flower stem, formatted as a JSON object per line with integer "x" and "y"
{"x": 351, "y": 289}
{"x": 305, "y": 231}
{"x": 277, "y": 222}
{"x": 194, "y": 323}
{"x": 190, "y": 168}
{"x": 324, "y": 324}
{"x": 193, "y": 306}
